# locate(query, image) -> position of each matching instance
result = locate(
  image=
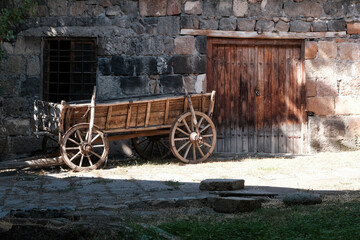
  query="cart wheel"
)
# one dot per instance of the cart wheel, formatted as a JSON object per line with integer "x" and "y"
{"x": 153, "y": 147}
{"x": 50, "y": 145}
{"x": 78, "y": 154}
{"x": 189, "y": 143}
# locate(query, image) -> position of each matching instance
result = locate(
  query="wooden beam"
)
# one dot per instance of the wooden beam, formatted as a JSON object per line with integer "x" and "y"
{"x": 32, "y": 163}
{"x": 265, "y": 35}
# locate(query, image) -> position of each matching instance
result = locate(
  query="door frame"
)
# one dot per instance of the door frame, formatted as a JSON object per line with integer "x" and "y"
{"x": 211, "y": 41}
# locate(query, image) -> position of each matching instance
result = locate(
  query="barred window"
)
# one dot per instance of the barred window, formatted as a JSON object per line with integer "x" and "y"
{"x": 69, "y": 68}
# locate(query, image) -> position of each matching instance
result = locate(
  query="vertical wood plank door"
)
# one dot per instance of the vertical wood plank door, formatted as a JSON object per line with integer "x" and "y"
{"x": 260, "y": 100}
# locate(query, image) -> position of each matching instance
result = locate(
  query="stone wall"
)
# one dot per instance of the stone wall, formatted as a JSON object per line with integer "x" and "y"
{"x": 141, "y": 50}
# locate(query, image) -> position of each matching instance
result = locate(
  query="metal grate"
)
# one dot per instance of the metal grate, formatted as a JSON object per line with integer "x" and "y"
{"x": 69, "y": 69}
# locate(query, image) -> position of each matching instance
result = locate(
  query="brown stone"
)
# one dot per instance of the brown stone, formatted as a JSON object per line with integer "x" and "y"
{"x": 173, "y": 7}
{"x": 311, "y": 49}
{"x": 353, "y": 28}
{"x": 193, "y": 7}
{"x": 319, "y": 68}
{"x": 326, "y": 87}
{"x": 321, "y": 106}
{"x": 222, "y": 184}
{"x": 240, "y": 8}
{"x": 78, "y": 8}
{"x": 152, "y": 7}
{"x": 349, "y": 51}
{"x": 185, "y": 45}
{"x": 346, "y": 105}
{"x": 327, "y": 50}
{"x": 282, "y": 26}
{"x": 350, "y": 86}
{"x": 310, "y": 88}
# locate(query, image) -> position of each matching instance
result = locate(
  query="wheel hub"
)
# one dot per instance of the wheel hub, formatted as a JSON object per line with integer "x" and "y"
{"x": 194, "y": 137}
{"x": 85, "y": 148}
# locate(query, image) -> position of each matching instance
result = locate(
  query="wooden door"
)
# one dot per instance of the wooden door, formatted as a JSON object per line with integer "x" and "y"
{"x": 260, "y": 101}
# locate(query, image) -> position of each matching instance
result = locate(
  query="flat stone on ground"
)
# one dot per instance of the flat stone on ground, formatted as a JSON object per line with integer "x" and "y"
{"x": 235, "y": 204}
{"x": 222, "y": 184}
{"x": 302, "y": 198}
{"x": 246, "y": 193}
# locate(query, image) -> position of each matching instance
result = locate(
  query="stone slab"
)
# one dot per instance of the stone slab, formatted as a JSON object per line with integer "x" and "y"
{"x": 302, "y": 198}
{"x": 221, "y": 184}
{"x": 235, "y": 204}
{"x": 246, "y": 193}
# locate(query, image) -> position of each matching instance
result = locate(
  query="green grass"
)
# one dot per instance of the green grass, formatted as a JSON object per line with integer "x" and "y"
{"x": 336, "y": 221}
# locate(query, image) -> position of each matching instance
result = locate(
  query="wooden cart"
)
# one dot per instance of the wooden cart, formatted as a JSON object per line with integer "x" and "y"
{"x": 157, "y": 125}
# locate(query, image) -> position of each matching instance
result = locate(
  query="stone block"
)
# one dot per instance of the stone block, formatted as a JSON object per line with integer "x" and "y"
{"x": 217, "y": 8}
{"x": 353, "y": 28}
{"x": 353, "y": 127}
{"x": 146, "y": 65}
{"x": 129, "y": 8}
{"x": 282, "y": 26}
{"x": 15, "y": 64}
{"x": 200, "y": 84}
{"x": 271, "y": 9}
{"x": 8, "y": 48}
{"x": 181, "y": 64}
{"x": 150, "y": 8}
{"x": 264, "y": 26}
{"x": 235, "y": 204}
{"x": 105, "y": 3}
{"x": 17, "y": 126}
{"x": 78, "y": 8}
{"x": 123, "y": 65}
{"x": 327, "y": 50}
{"x": 319, "y": 68}
{"x": 200, "y": 44}
{"x": 18, "y": 107}
{"x": 193, "y": 7}
{"x": 305, "y": 8}
{"x": 96, "y": 10}
{"x": 228, "y": 24}
{"x": 189, "y": 22}
{"x": 199, "y": 64}
{"x": 311, "y": 49}
{"x": 327, "y": 87}
{"x": 240, "y": 8}
{"x": 57, "y": 7}
{"x": 319, "y": 26}
{"x": 347, "y": 105}
{"x": 162, "y": 65}
{"x": 33, "y": 66}
{"x": 20, "y": 145}
{"x": 350, "y": 86}
{"x": 112, "y": 11}
{"x": 349, "y": 51}
{"x": 189, "y": 83}
{"x": 40, "y": 11}
{"x": 173, "y": 7}
{"x": 171, "y": 84}
{"x": 31, "y": 87}
{"x": 9, "y": 85}
{"x": 334, "y": 128}
{"x": 209, "y": 24}
{"x": 28, "y": 46}
{"x": 185, "y": 45}
{"x": 138, "y": 28}
{"x": 300, "y": 26}
{"x": 321, "y": 106}
{"x": 150, "y": 45}
{"x": 221, "y": 184}
{"x": 302, "y": 198}
{"x": 108, "y": 87}
{"x": 169, "y": 46}
{"x": 168, "y": 26}
{"x": 245, "y": 25}
{"x": 134, "y": 85}
{"x": 334, "y": 9}
{"x": 336, "y": 25}
{"x": 310, "y": 88}
{"x": 344, "y": 69}
{"x": 116, "y": 46}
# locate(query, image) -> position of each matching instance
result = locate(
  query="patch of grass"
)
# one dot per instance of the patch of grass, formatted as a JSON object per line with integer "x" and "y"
{"x": 333, "y": 221}
{"x": 173, "y": 184}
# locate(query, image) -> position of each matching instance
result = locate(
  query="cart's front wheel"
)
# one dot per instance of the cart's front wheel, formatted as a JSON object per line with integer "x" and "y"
{"x": 79, "y": 153}
{"x": 152, "y": 147}
{"x": 192, "y": 143}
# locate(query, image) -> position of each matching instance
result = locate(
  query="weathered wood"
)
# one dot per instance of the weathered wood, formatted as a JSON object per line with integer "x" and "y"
{"x": 31, "y": 163}
{"x": 166, "y": 117}
{"x": 148, "y": 113}
{"x": 138, "y": 134}
{"x": 264, "y": 35}
{"x": 128, "y": 118}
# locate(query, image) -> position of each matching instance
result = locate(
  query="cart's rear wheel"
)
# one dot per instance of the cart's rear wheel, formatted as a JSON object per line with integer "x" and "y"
{"x": 152, "y": 147}
{"x": 190, "y": 143}
{"x": 78, "y": 154}
{"x": 50, "y": 145}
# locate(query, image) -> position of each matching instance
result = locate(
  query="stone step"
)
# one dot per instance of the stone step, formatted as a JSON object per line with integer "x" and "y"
{"x": 222, "y": 184}
{"x": 234, "y": 204}
{"x": 245, "y": 193}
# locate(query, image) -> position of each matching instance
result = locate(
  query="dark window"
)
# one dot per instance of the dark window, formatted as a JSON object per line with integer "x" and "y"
{"x": 69, "y": 69}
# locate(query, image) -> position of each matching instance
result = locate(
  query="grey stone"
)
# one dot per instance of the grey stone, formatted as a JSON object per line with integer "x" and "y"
{"x": 210, "y": 24}
{"x": 169, "y": 26}
{"x": 33, "y": 66}
{"x": 181, "y": 64}
{"x": 150, "y": 45}
{"x": 337, "y": 25}
{"x": 199, "y": 64}
{"x": 123, "y": 65}
{"x": 189, "y": 82}
{"x": 116, "y": 46}
{"x": 129, "y": 7}
{"x": 240, "y": 8}
{"x": 104, "y": 66}
{"x": 152, "y": 7}
{"x": 162, "y": 65}
{"x": 49, "y": 21}
{"x": 246, "y": 193}
{"x": 146, "y": 65}
{"x": 254, "y": 10}
{"x": 28, "y": 46}
{"x": 190, "y": 22}
{"x": 169, "y": 45}
{"x": 113, "y": 11}
{"x": 20, "y": 145}
{"x": 227, "y": 24}
{"x": 272, "y": 8}
{"x": 31, "y": 87}
{"x": 108, "y": 87}
{"x": 9, "y": 85}
{"x": 235, "y": 204}
{"x": 138, "y": 28}
{"x": 264, "y": 26}
{"x": 103, "y": 21}
{"x": 334, "y": 128}
{"x": 319, "y": 26}
{"x": 122, "y": 21}
{"x": 16, "y": 126}
{"x": 15, "y": 64}
{"x": 334, "y": 9}
{"x": 221, "y": 184}
{"x": 306, "y": 9}
{"x": 301, "y": 198}
{"x": 57, "y": 7}
{"x": 245, "y": 25}
{"x": 300, "y": 26}
{"x": 134, "y": 85}
{"x": 217, "y": 8}
{"x": 171, "y": 84}
{"x": 200, "y": 44}
{"x": 282, "y": 26}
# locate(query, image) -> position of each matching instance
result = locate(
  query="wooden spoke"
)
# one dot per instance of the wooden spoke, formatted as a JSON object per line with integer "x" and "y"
{"x": 152, "y": 147}
{"x": 181, "y": 146}
{"x": 158, "y": 147}
{"x": 147, "y": 146}
{"x": 78, "y": 163}
{"x": 165, "y": 146}
{"x": 141, "y": 142}
{"x": 182, "y": 131}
